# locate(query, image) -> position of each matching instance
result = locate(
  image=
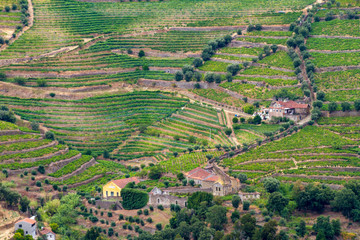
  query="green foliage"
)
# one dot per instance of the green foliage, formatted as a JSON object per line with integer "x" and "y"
{"x": 216, "y": 216}
{"x": 133, "y": 198}
{"x": 271, "y": 184}
{"x": 198, "y": 197}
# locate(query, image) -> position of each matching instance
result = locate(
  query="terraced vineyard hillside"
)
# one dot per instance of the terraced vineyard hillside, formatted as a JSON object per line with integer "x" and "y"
{"x": 80, "y": 123}
{"x": 28, "y": 153}
{"x": 326, "y": 153}
{"x": 189, "y": 129}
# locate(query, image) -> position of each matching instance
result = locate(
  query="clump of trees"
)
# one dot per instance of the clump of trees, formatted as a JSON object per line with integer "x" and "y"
{"x": 6, "y": 114}
{"x": 213, "y": 45}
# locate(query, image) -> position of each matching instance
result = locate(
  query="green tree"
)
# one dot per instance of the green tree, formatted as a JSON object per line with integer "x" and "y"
{"x": 155, "y": 172}
{"x": 332, "y": 107}
{"x": 277, "y": 202}
{"x": 141, "y": 53}
{"x": 216, "y": 216}
{"x": 24, "y": 204}
{"x": 198, "y": 197}
{"x": 233, "y": 69}
{"x": 345, "y": 106}
{"x": 357, "y": 105}
{"x": 323, "y": 227}
{"x": 197, "y": 62}
{"x": 179, "y": 76}
{"x": 345, "y": 201}
{"x": 235, "y": 201}
{"x": 271, "y": 184}
{"x": 228, "y": 131}
{"x": 274, "y": 48}
{"x": 269, "y": 230}
{"x": 301, "y": 229}
{"x": 248, "y": 225}
{"x": 242, "y": 177}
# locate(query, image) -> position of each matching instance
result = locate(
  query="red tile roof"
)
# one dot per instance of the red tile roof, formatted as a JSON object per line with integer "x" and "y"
{"x": 291, "y": 104}
{"x": 28, "y": 220}
{"x": 46, "y": 231}
{"x": 201, "y": 174}
{"x": 121, "y": 183}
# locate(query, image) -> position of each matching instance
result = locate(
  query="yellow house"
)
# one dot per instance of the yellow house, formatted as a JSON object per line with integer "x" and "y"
{"x": 113, "y": 188}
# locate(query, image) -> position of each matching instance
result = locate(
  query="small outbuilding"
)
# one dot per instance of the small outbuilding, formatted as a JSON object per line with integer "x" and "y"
{"x": 249, "y": 196}
{"x": 50, "y": 235}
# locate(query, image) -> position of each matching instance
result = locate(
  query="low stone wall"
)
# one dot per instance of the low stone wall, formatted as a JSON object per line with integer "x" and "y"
{"x": 77, "y": 171}
{"x": 108, "y": 204}
{"x": 186, "y": 190}
{"x": 10, "y": 132}
{"x": 87, "y": 181}
{"x": 341, "y": 114}
{"x": 22, "y": 140}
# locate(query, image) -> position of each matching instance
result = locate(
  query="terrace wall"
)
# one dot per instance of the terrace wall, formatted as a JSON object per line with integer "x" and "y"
{"x": 340, "y": 114}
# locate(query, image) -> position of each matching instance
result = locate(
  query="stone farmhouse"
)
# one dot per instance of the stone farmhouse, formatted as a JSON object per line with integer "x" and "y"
{"x": 113, "y": 188}
{"x": 50, "y": 235}
{"x": 289, "y": 109}
{"x": 28, "y": 225}
{"x": 163, "y": 197}
{"x": 212, "y": 177}
{"x": 246, "y": 196}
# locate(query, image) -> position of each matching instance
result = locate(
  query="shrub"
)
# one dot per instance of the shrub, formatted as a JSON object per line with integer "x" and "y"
{"x": 133, "y": 198}
{"x": 7, "y": 9}
{"x": 141, "y": 53}
{"x": 49, "y": 135}
{"x": 34, "y": 126}
{"x": 179, "y": 76}
{"x": 41, "y": 83}
{"x": 52, "y": 95}
{"x": 345, "y": 106}
{"x": 20, "y": 81}
{"x": 158, "y": 226}
{"x": 41, "y": 169}
{"x": 246, "y": 205}
{"x": 197, "y": 62}
{"x": 149, "y": 220}
{"x": 160, "y": 207}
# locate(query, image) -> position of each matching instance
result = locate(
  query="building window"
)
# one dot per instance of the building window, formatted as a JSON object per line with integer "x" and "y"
{"x": 112, "y": 194}
{"x": 185, "y": 204}
{"x": 176, "y": 202}
{"x": 26, "y": 232}
{"x": 117, "y": 194}
{"x": 158, "y": 200}
{"x": 20, "y": 226}
{"x": 106, "y": 193}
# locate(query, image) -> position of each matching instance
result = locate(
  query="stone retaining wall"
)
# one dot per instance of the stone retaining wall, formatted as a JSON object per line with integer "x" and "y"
{"x": 77, "y": 171}
{"x": 27, "y": 160}
{"x": 30, "y": 149}
{"x": 10, "y": 132}
{"x": 22, "y": 140}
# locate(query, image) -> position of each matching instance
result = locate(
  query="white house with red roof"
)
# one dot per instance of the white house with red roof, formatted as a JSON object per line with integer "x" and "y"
{"x": 289, "y": 109}
{"x": 28, "y": 225}
{"x": 50, "y": 235}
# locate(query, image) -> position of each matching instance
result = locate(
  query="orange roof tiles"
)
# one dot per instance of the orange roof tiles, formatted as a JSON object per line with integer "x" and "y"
{"x": 28, "y": 220}
{"x": 291, "y": 104}
{"x": 46, "y": 231}
{"x": 121, "y": 183}
{"x": 201, "y": 174}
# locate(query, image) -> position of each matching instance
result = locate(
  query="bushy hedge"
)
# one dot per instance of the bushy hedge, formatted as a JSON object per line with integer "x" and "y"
{"x": 133, "y": 198}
